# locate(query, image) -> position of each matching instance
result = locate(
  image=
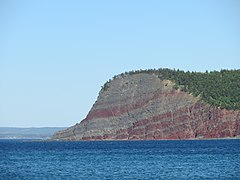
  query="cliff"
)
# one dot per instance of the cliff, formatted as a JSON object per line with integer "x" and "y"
{"x": 144, "y": 106}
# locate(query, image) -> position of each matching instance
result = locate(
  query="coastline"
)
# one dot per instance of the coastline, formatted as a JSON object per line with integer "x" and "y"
{"x": 192, "y": 139}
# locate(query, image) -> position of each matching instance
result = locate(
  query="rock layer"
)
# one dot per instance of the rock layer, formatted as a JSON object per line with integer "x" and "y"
{"x": 142, "y": 106}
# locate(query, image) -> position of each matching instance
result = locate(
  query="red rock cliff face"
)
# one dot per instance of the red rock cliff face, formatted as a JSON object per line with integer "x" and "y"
{"x": 141, "y": 106}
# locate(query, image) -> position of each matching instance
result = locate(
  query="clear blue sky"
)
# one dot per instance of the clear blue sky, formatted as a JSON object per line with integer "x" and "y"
{"x": 55, "y": 55}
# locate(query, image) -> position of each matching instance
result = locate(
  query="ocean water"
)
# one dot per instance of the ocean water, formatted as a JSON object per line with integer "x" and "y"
{"x": 208, "y": 159}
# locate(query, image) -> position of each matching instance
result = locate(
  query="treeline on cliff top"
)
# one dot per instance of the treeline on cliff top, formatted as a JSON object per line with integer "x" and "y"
{"x": 218, "y": 88}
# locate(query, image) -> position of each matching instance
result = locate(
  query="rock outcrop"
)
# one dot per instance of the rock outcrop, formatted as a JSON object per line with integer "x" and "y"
{"x": 142, "y": 106}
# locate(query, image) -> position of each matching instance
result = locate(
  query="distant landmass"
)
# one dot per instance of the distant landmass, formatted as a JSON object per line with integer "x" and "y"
{"x": 28, "y": 133}
{"x": 163, "y": 104}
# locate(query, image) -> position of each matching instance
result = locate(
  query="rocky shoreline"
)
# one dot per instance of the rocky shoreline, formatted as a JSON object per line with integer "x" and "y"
{"x": 144, "y": 107}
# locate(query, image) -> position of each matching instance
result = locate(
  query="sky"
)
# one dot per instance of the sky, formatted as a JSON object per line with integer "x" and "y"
{"x": 55, "y": 55}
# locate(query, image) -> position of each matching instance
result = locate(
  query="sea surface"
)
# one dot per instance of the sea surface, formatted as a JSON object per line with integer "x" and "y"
{"x": 197, "y": 159}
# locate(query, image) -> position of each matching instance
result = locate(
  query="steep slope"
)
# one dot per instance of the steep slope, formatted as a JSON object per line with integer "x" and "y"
{"x": 142, "y": 106}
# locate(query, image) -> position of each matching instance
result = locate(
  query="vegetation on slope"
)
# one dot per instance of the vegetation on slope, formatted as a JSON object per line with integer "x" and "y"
{"x": 218, "y": 88}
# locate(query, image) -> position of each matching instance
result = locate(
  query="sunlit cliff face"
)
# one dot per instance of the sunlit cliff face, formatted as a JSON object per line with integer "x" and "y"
{"x": 142, "y": 106}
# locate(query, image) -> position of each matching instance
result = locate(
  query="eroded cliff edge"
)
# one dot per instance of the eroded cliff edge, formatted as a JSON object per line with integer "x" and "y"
{"x": 142, "y": 106}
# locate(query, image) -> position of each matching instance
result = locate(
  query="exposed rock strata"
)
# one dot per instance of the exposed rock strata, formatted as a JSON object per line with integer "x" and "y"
{"x": 141, "y": 106}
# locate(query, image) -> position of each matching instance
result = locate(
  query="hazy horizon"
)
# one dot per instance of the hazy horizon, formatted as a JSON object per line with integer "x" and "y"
{"x": 56, "y": 55}
{"x": 33, "y": 127}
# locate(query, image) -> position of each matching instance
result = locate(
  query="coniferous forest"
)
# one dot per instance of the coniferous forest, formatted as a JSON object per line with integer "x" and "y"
{"x": 218, "y": 88}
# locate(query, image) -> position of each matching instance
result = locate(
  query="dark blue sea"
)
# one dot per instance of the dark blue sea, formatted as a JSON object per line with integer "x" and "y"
{"x": 208, "y": 159}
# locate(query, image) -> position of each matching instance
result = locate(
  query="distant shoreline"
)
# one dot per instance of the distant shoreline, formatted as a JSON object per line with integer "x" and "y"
{"x": 28, "y": 133}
